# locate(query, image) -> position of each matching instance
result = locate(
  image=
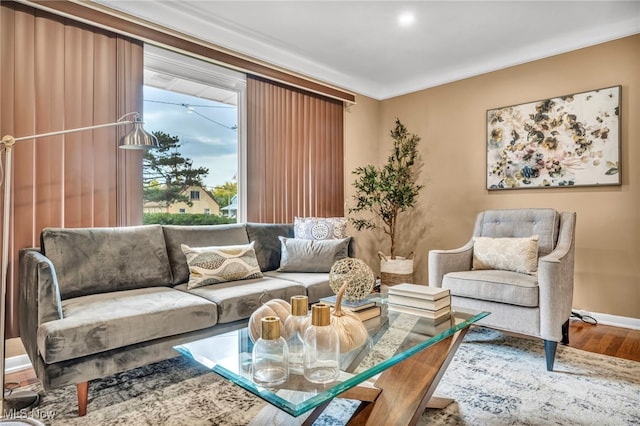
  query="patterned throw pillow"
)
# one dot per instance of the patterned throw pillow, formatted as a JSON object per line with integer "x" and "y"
{"x": 508, "y": 254}
{"x": 320, "y": 228}
{"x": 213, "y": 265}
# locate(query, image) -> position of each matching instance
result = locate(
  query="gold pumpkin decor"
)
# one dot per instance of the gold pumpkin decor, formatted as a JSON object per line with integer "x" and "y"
{"x": 274, "y": 307}
{"x": 351, "y": 330}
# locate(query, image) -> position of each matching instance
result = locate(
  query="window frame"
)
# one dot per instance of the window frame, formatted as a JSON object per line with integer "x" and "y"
{"x": 205, "y": 72}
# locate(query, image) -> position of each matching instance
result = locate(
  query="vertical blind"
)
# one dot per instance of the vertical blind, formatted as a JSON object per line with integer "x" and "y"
{"x": 294, "y": 153}
{"x": 58, "y": 74}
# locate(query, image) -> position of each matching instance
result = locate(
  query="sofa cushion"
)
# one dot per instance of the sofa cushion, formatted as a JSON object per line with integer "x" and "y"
{"x": 198, "y": 236}
{"x": 101, "y": 322}
{"x": 494, "y": 285}
{"x": 237, "y": 300}
{"x": 266, "y": 242}
{"x": 508, "y": 254}
{"x": 100, "y": 260}
{"x": 219, "y": 264}
{"x": 320, "y": 228}
{"x": 300, "y": 255}
{"x": 317, "y": 284}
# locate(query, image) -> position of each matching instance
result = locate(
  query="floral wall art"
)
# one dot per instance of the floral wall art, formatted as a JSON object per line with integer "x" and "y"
{"x": 566, "y": 141}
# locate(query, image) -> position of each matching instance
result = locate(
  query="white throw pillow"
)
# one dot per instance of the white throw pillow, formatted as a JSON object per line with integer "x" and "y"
{"x": 509, "y": 254}
{"x": 218, "y": 264}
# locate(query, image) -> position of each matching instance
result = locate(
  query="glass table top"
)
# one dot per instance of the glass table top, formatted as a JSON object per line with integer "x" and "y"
{"x": 393, "y": 337}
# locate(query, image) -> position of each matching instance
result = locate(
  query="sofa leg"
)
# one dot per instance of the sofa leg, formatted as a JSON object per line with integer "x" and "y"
{"x": 83, "y": 397}
{"x": 565, "y": 333}
{"x": 550, "y": 353}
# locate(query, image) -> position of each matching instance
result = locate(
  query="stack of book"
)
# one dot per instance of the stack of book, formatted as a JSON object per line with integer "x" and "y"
{"x": 430, "y": 302}
{"x": 365, "y": 309}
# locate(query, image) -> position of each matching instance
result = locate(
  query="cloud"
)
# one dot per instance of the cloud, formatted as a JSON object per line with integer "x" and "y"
{"x": 203, "y": 127}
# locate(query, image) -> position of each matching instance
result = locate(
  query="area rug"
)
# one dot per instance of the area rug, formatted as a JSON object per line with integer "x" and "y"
{"x": 495, "y": 379}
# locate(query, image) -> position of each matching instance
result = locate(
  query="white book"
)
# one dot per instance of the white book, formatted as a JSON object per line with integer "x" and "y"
{"x": 438, "y": 315}
{"x": 416, "y": 302}
{"x": 419, "y": 291}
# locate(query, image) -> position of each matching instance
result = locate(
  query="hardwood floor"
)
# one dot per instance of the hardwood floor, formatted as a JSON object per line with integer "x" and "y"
{"x": 602, "y": 339}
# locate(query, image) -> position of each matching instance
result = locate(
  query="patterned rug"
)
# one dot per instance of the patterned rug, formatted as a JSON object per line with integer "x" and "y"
{"x": 494, "y": 378}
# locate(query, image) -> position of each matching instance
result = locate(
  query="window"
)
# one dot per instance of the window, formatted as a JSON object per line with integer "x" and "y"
{"x": 196, "y": 109}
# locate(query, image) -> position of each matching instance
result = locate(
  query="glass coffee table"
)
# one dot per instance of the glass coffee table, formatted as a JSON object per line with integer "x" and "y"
{"x": 394, "y": 374}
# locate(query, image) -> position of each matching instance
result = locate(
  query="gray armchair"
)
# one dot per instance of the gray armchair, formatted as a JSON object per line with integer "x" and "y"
{"x": 536, "y": 303}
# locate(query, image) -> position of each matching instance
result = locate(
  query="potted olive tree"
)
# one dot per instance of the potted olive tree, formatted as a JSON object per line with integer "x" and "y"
{"x": 387, "y": 192}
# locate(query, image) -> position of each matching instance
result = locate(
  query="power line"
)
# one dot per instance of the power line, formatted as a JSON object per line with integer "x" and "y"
{"x": 189, "y": 108}
{"x": 191, "y": 105}
{"x": 234, "y": 127}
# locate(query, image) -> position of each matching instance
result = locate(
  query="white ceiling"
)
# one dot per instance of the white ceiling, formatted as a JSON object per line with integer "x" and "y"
{"x": 359, "y": 45}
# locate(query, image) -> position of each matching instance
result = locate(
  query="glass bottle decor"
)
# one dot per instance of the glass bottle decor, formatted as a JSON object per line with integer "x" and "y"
{"x": 321, "y": 347}
{"x": 270, "y": 355}
{"x": 294, "y": 324}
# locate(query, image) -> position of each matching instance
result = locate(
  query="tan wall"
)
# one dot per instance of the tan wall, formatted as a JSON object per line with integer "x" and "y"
{"x": 451, "y": 121}
{"x": 361, "y": 136}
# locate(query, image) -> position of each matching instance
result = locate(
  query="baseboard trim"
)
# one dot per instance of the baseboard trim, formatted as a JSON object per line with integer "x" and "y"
{"x": 613, "y": 320}
{"x": 16, "y": 363}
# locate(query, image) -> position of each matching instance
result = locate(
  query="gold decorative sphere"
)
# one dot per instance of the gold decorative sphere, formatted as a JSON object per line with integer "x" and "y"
{"x": 357, "y": 273}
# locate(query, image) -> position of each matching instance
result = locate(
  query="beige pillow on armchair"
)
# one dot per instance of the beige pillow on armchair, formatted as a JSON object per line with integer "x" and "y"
{"x": 509, "y": 254}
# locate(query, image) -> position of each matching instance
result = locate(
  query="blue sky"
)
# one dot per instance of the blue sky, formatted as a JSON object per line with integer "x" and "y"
{"x": 204, "y": 131}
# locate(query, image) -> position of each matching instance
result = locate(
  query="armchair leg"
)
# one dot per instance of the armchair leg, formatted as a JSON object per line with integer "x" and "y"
{"x": 565, "y": 333}
{"x": 82, "y": 390}
{"x": 550, "y": 353}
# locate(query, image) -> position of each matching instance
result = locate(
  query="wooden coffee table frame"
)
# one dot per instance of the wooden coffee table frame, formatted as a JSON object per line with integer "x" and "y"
{"x": 398, "y": 396}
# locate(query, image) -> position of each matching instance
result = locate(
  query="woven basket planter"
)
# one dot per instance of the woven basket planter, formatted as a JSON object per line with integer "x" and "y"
{"x": 396, "y": 271}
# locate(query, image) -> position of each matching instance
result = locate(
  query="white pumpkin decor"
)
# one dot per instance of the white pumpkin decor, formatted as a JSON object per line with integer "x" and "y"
{"x": 351, "y": 330}
{"x": 274, "y": 307}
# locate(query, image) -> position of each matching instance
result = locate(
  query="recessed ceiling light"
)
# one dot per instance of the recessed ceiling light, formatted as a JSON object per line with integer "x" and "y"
{"x": 406, "y": 19}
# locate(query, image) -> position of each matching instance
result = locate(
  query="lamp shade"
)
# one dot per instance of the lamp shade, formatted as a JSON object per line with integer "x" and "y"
{"x": 138, "y": 138}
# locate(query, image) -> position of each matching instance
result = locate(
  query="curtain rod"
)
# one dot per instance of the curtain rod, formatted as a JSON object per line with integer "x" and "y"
{"x": 121, "y": 23}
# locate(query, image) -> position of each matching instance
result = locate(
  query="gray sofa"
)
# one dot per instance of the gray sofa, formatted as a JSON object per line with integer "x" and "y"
{"x": 98, "y": 301}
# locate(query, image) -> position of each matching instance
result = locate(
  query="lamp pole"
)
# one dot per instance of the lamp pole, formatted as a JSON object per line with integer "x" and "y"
{"x": 137, "y": 138}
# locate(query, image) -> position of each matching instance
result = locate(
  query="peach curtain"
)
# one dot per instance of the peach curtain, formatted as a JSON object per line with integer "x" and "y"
{"x": 58, "y": 74}
{"x": 295, "y": 163}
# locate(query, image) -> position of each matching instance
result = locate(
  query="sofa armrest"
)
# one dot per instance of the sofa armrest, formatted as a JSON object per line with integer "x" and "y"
{"x": 39, "y": 296}
{"x": 555, "y": 280}
{"x": 442, "y": 262}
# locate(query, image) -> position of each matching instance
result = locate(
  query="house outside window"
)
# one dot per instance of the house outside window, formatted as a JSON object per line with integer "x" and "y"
{"x": 231, "y": 210}
{"x": 195, "y": 196}
{"x": 207, "y": 211}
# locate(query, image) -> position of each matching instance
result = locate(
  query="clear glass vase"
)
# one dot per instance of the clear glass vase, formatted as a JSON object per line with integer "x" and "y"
{"x": 294, "y": 325}
{"x": 321, "y": 347}
{"x": 270, "y": 363}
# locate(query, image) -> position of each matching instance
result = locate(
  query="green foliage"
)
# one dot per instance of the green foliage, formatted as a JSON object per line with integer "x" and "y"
{"x": 388, "y": 191}
{"x": 185, "y": 219}
{"x": 224, "y": 193}
{"x": 167, "y": 174}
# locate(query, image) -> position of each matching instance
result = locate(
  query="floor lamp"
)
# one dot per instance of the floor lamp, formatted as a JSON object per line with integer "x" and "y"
{"x": 137, "y": 138}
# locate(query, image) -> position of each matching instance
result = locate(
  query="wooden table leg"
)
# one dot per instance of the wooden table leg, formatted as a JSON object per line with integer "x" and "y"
{"x": 407, "y": 387}
{"x": 439, "y": 402}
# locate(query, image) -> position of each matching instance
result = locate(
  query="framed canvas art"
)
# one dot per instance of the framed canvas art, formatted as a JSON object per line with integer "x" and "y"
{"x": 571, "y": 140}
